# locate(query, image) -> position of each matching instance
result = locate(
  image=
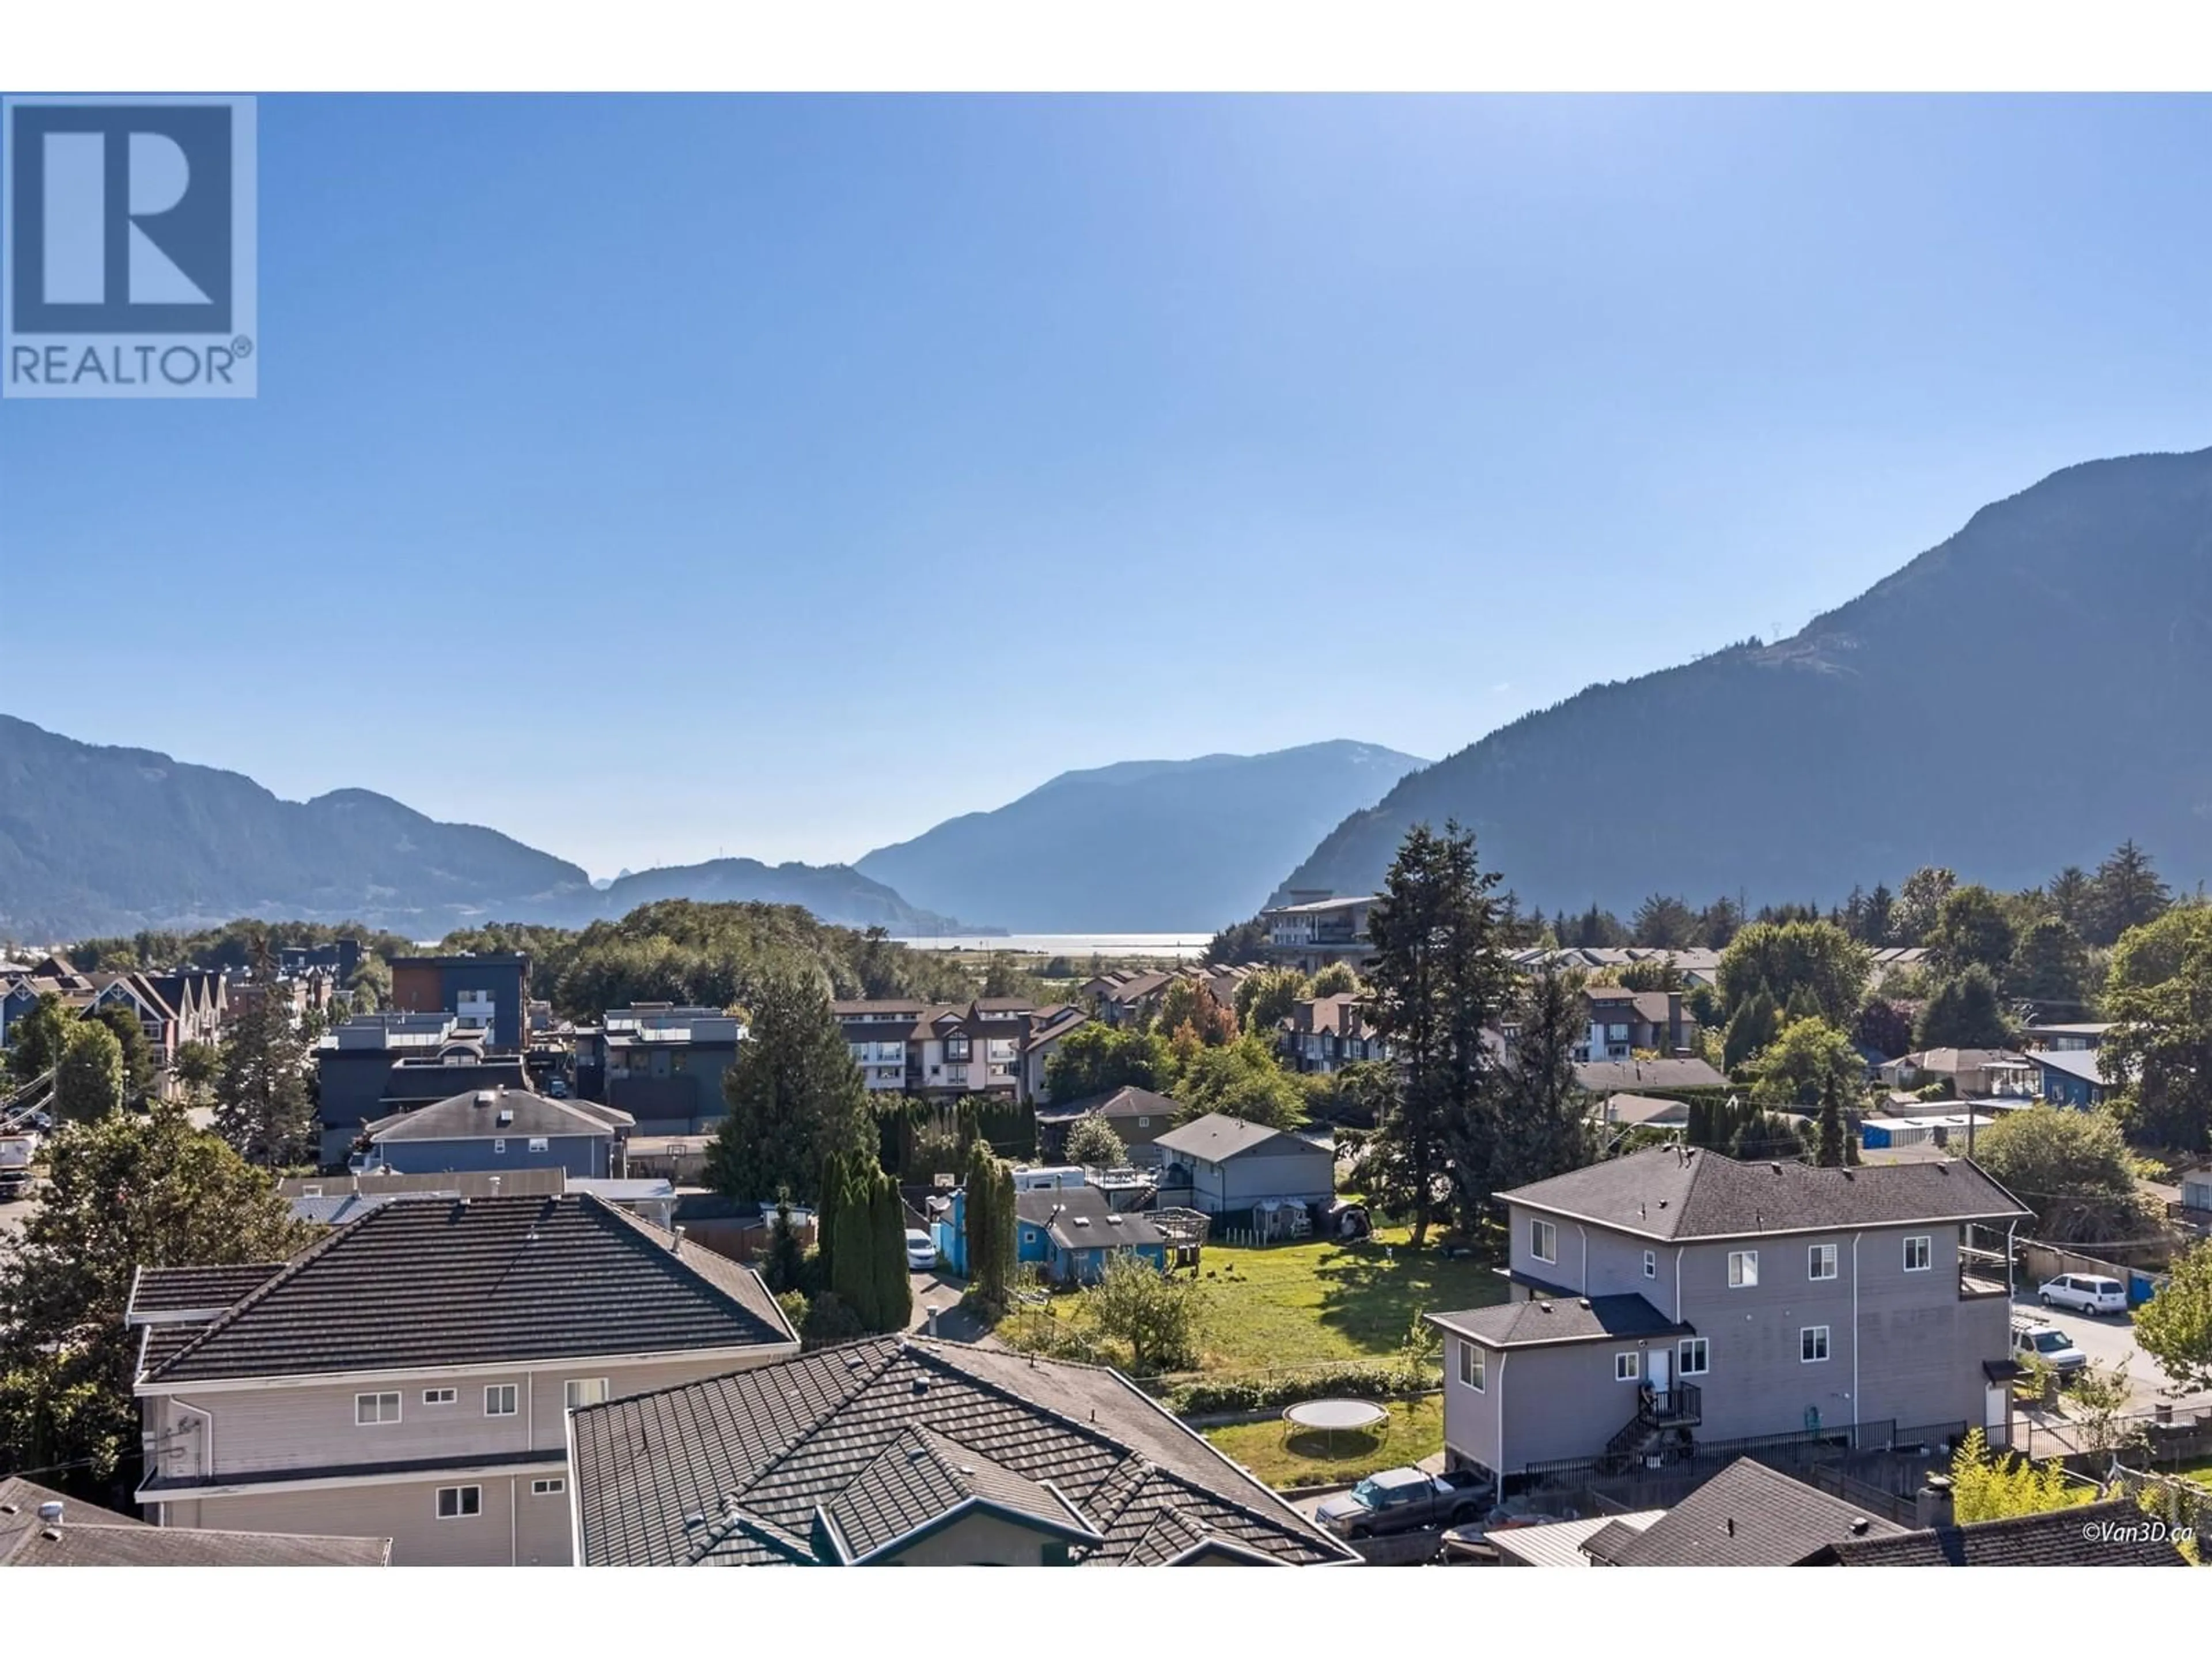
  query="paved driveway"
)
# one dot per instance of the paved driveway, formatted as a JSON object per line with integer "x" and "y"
{"x": 2109, "y": 1339}
{"x": 943, "y": 1292}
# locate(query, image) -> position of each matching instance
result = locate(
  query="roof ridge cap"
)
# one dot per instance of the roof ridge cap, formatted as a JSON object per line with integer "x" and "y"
{"x": 735, "y": 1499}
{"x": 288, "y": 1271}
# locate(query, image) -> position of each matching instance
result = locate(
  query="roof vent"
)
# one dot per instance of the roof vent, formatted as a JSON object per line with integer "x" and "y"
{"x": 50, "y": 1512}
{"x": 1582, "y": 1301}
{"x": 921, "y": 1385}
{"x": 692, "y": 1523}
{"x": 1546, "y": 1306}
{"x": 1858, "y": 1526}
{"x": 1728, "y": 1526}
{"x": 487, "y": 1097}
{"x": 1777, "y": 1168}
{"x": 1083, "y": 1221}
{"x": 506, "y": 1117}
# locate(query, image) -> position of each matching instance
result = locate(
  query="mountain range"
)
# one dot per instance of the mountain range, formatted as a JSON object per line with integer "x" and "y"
{"x": 2024, "y": 697}
{"x": 96, "y": 840}
{"x": 1140, "y": 847}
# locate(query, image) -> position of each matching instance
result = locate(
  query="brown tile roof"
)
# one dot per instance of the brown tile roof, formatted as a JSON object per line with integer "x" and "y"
{"x": 731, "y": 1472}
{"x": 425, "y": 1281}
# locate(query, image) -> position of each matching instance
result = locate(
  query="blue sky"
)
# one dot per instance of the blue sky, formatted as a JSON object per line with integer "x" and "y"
{"x": 657, "y": 478}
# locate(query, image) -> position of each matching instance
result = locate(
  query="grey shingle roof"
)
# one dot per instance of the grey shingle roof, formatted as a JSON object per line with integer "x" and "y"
{"x": 2058, "y": 1539}
{"x": 1748, "y": 1515}
{"x": 424, "y": 1282}
{"x": 1218, "y": 1138}
{"x": 1567, "y": 1319}
{"x": 475, "y": 1115}
{"x": 1606, "y": 1076}
{"x": 89, "y": 1536}
{"x": 749, "y": 1458}
{"x": 1127, "y": 1102}
{"x": 1669, "y": 1193}
{"x": 1080, "y": 1218}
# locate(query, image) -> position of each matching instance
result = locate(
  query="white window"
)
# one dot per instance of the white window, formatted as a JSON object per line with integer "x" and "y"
{"x": 500, "y": 1400}
{"x": 1813, "y": 1344}
{"x": 1144, "y": 1123}
{"x": 1543, "y": 1240}
{"x": 552, "y": 1488}
{"x": 585, "y": 1391}
{"x": 1743, "y": 1269}
{"x": 499, "y": 1146}
{"x": 459, "y": 1503}
{"x": 1626, "y": 1368}
{"x": 1473, "y": 1371}
{"x": 372, "y": 1408}
{"x": 539, "y": 1143}
{"x": 1652, "y": 1264}
{"x": 1692, "y": 1356}
{"x": 312, "y": 1190}
{"x": 1821, "y": 1261}
{"x": 1917, "y": 1254}
{"x": 437, "y": 1396}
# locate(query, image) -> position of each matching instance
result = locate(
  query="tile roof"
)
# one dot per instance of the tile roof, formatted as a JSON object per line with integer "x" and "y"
{"x": 421, "y": 1281}
{"x": 922, "y": 1478}
{"x": 1544, "y": 1320}
{"x": 2062, "y": 1538}
{"x": 89, "y": 1536}
{"x": 158, "y": 1291}
{"x": 733, "y": 1471}
{"x": 474, "y": 1115}
{"x": 1605, "y": 1076}
{"x": 1670, "y": 1192}
{"x": 1218, "y": 1138}
{"x": 1748, "y": 1515}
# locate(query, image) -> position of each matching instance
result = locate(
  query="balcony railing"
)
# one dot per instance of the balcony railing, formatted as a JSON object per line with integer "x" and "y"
{"x": 1680, "y": 1407}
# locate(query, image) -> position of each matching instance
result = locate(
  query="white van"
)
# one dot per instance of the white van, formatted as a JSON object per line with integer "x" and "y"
{"x": 2089, "y": 1293}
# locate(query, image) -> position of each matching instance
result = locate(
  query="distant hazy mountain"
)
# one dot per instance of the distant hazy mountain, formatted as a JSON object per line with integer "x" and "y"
{"x": 104, "y": 841}
{"x": 2024, "y": 697}
{"x": 835, "y": 892}
{"x": 96, "y": 840}
{"x": 1141, "y": 847}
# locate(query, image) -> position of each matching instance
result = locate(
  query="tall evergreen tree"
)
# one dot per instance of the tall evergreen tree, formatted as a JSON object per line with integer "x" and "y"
{"x": 1965, "y": 1013}
{"x": 263, "y": 1107}
{"x": 1833, "y": 1149}
{"x": 887, "y": 1242}
{"x": 1440, "y": 976}
{"x": 2128, "y": 893}
{"x": 796, "y": 1098}
{"x": 2073, "y": 898}
{"x": 1881, "y": 917}
{"x": 1750, "y": 1030}
{"x": 2049, "y": 967}
{"x": 1536, "y": 1126}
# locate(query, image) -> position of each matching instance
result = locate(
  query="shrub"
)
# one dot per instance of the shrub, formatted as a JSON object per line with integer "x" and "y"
{"x": 829, "y": 1321}
{"x": 1387, "y": 1379}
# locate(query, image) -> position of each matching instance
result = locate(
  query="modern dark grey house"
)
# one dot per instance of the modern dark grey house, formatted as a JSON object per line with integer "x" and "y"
{"x": 665, "y": 1065}
{"x": 375, "y": 1065}
{"x": 495, "y": 1129}
{"x": 1675, "y": 1297}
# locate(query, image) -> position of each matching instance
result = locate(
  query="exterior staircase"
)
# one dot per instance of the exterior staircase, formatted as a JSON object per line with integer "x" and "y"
{"x": 1663, "y": 1419}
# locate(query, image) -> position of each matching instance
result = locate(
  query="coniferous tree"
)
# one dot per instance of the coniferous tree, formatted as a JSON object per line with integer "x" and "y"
{"x": 1440, "y": 976}
{"x": 1753, "y": 1026}
{"x": 263, "y": 1107}
{"x": 2127, "y": 893}
{"x": 1532, "y": 1124}
{"x": 1965, "y": 1013}
{"x": 796, "y": 1099}
{"x": 1833, "y": 1147}
{"x": 894, "y": 1283}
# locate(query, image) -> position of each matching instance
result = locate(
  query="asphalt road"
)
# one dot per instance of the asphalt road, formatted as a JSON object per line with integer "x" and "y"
{"x": 2109, "y": 1339}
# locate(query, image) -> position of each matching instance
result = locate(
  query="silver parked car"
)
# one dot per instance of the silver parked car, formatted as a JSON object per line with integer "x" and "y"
{"x": 2089, "y": 1293}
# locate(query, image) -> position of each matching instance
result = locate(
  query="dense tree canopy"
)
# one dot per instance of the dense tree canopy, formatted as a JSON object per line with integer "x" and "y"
{"x": 124, "y": 1191}
{"x": 2162, "y": 1043}
{"x": 796, "y": 1099}
{"x": 2071, "y": 1168}
{"x": 88, "y": 1082}
{"x": 1965, "y": 1013}
{"x": 2049, "y": 967}
{"x": 1802, "y": 1067}
{"x": 1971, "y": 930}
{"x": 1826, "y": 963}
{"x": 1097, "y": 1059}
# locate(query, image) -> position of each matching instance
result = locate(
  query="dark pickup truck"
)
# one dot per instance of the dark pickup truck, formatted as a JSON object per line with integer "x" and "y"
{"x": 1405, "y": 1500}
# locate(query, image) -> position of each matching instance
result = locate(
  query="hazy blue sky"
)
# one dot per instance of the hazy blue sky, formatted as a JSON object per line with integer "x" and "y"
{"x": 650, "y": 479}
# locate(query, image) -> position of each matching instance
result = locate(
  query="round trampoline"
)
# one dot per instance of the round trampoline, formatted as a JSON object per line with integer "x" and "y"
{"x": 1329, "y": 1418}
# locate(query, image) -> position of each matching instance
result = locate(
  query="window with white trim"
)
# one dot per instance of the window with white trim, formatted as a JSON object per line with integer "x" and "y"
{"x": 1743, "y": 1269}
{"x": 370, "y": 1409}
{"x": 552, "y": 1488}
{"x": 1543, "y": 1240}
{"x": 1652, "y": 1264}
{"x": 1693, "y": 1357}
{"x": 585, "y": 1391}
{"x": 500, "y": 1400}
{"x": 1813, "y": 1344}
{"x": 1918, "y": 1253}
{"x": 437, "y": 1396}
{"x": 459, "y": 1503}
{"x": 539, "y": 1143}
{"x": 1474, "y": 1368}
{"x": 1626, "y": 1367}
{"x": 1819, "y": 1261}
{"x": 499, "y": 1146}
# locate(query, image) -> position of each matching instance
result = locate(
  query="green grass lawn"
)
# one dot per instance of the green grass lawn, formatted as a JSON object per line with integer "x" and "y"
{"x": 1297, "y": 1304}
{"x": 1415, "y": 1430}
{"x": 1302, "y": 1304}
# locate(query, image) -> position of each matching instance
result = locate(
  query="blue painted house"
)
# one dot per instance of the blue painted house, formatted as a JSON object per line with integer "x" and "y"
{"x": 2072, "y": 1077}
{"x": 1068, "y": 1232}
